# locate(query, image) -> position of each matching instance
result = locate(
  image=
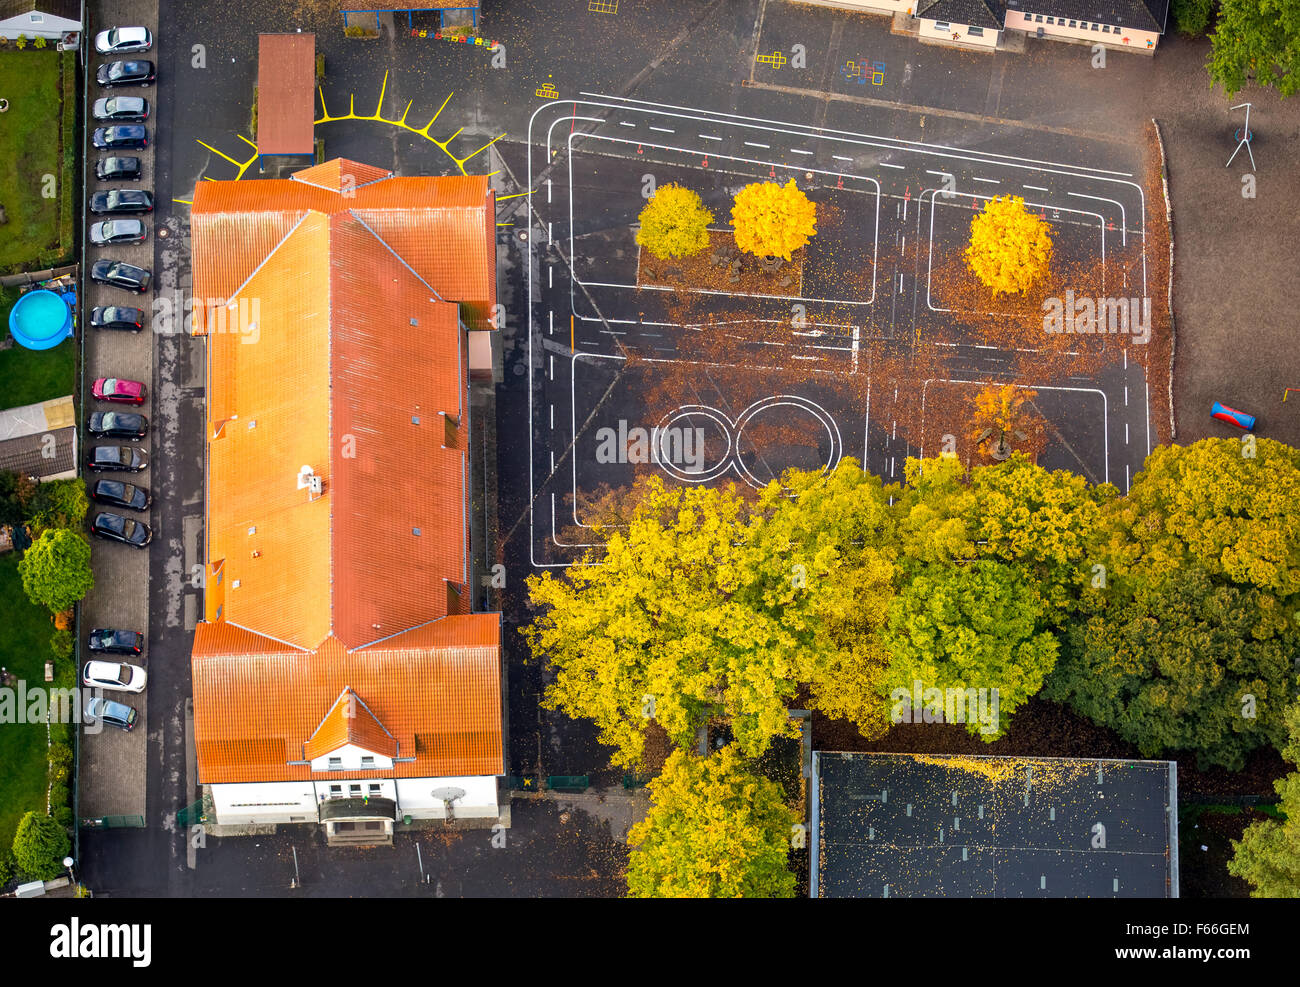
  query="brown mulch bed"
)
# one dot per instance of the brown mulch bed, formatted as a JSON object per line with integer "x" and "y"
{"x": 700, "y": 271}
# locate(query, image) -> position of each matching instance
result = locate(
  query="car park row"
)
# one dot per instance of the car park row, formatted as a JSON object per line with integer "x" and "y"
{"x": 116, "y": 426}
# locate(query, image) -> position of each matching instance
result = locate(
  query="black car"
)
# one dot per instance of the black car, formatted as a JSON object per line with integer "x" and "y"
{"x": 121, "y": 275}
{"x": 120, "y": 137}
{"x": 123, "y": 459}
{"x": 117, "y": 425}
{"x": 120, "y": 109}
{"x": 112, "y": 641}
{"x": 126, "y": 73}
{"x": 117, "y": 317}
{"x": 116, "y": 527}
{"x": 118, "y": 169}
{"x": 121, "y": 202}
{"x": 115, "y": 493}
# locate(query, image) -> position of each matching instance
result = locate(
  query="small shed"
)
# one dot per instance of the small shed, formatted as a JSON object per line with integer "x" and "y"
{"x": 286, "y": 95}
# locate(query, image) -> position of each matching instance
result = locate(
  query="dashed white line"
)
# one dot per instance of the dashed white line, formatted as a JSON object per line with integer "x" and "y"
{"x": 552, "y": 460}
{"x": 799, "y": 150}
{"x": 886, "y": 164}
{"x": 626, "y": 123}
{"x": 1126, "y": 387}
{"x": 1036, "y": 188}
{"x": 550, "y": 322}
{"x": 709, "y": 137}
{"x": 1126, "y": 433}
{"x": 548, "y": 190}
{"x": 944, "y": 174}
{"x": 552, "y": 366}
{"x": 550, "y": 277}
{"x": 841, "y": 157}
{"x": 990, "y": 181}
{"x": 664, "y": 130}
{"x": 753, "y": 144}
{"x": 552, "y": 416}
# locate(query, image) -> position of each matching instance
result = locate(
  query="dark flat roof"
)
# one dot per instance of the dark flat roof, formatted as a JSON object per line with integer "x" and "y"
{"x": 25, "y": 454}
{"x": 907, "y": 825}
{"x": 1141, "y": 15}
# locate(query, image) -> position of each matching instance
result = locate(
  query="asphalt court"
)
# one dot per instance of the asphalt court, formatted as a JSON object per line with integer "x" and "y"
{"x": 589, "y": 163}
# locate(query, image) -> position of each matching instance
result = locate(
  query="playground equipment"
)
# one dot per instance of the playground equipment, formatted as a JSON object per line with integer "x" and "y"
{"x": 1232, "y": 416}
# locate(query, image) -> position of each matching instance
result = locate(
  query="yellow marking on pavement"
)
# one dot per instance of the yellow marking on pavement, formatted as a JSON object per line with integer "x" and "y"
{"x": 188, "y": 202}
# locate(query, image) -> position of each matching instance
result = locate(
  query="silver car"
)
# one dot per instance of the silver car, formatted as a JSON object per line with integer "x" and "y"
{"x": 118, "y": 40}
{"x": 113, "y": 231}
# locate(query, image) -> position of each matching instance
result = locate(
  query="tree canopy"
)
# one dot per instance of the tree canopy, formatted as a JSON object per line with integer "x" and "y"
{"x": 56, "y": 569}
{"x": 715, "y": 830}
{"x": 1268, "y": 855}
{"x": 773, "y": 220}
{"x": 674, "y": 223}
{"x": 1259, "y": 40}
{"x": 40, "y": 844}
{"x": 1010, "y": 248}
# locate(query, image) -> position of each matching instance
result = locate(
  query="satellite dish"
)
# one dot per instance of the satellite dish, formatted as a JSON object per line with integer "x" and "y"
{"x": 448, "y": 796}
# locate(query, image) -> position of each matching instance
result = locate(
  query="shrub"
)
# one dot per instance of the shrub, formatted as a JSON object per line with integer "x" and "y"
{"x": 59, "y": 504}
{"x": 21, "y": 42}
{"x": 56, "y": 569}
{"x": 773, "y": 220}
{"x": 60, "y": 758}
{"x": 61, "y": 644}
{"x": 674, "y": 223}
{"x": 6, "y": 856}
{"x": 320, "y": 68}
{"x": 40, "y": 844}
{"x": 1192, "y": 17}
{"x": 39, "y": 42}
{"x": 60, "y": 795}
{"x": 63, "y": 816}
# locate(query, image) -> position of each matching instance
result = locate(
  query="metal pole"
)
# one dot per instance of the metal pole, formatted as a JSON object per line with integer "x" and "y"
{"x": 297, "y": 879}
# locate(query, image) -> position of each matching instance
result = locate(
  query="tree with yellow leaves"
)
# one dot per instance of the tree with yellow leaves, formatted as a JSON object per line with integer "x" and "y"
{"x": 773, "y": 220}
{"x": 1010, "y": 248}
{"x": 674, "y": 223}
{"x": 715, "y": 830}
{"x": 999, "y": 410}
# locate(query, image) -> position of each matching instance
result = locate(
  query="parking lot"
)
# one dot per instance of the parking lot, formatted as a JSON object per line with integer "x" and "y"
{"x": 113, "y": 762}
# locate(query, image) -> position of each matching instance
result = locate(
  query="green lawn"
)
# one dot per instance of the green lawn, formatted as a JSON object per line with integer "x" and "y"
{"x": 24, "y": 646}
{"x": 29, "y": 151}
{"x": 28, "y": 376}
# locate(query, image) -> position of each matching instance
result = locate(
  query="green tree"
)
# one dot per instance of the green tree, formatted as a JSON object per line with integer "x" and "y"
{"x": 970, "y": 627}
{"x": 1182, "y": 663}
{"x": 56, "y": 569}
{"x": 674, "y": 223}
{"x": 684, "y": 622}
{"x": 773, "y": 220}
{"x": 1268, "y": 855}
{"x": 1256, "y": 40}
{"x": 714, "y": 831}
{"x": 40, "y": 844}
{"x": 1192, "y": 17}
{"x": 837, "y": 537}
{"x": 59, "y": 504}
{"x": 16, "y": 492}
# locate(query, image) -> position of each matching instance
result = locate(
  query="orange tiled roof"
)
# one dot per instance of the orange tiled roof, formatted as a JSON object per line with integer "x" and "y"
{"x": 350, "y": 721}
{"x": 338, "y": 355}
{"x": 286, "y": 88}
{"x": 436, "y": 690}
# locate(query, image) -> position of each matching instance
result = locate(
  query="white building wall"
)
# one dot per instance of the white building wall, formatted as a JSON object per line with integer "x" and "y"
{"x": 296, "y": 801}
{"x": 49, "y": 27}
{"x": 350, "y": 756}
{"x": 1116, "y": 37}
{"x": 930, "y": 29}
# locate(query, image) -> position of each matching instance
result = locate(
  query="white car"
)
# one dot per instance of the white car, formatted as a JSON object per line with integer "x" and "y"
{"x": 113, "y": 675}
{"x": 119, "y": 40}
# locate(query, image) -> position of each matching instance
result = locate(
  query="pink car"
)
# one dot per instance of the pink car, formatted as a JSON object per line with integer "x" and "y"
{"x": 117, "y": 389}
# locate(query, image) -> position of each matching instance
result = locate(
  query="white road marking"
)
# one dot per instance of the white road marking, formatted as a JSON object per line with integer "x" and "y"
{"x": 841, "y": 157}
{"x": 1036, "y": 188}
{"x": 552, "y": 416}
{"x": 548, "y": 190}
{"x": 755, "y": 144}
{"x": 886, "y": 164}
{"x": 552, "y": 366}
{"x": 664, "y": 130}
{"x": 1126, "y": 390}
{"x": 799, "y": 150}
{"x": 1126, "y": 433}
{"x": 550, "y": 322}
{"x": 550, "y": 277}
{"x": 626, "y": 123}
{"x": 990, "y": 181}
{"x": 709, "y": 137}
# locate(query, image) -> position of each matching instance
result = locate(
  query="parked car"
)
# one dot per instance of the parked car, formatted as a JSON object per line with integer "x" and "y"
{"x": 120, "y": 137}
{"x": 118, "y": 169}
{"x": 121, "y": 202}
{"x": 115, "y": 675}
{"x": 121, "y": 275}
{"x": 122, "y": 459}
{"x": 129, "y": 73}
{"x": 119, "y": 528}
{"x": 117, "y": 425}
{"x": 121, "y": 109}
{"x": 120, "y": 40}
{"x": 116, "y": 493}
{"x": 114, "y": 641}
{"x": 114, "y": 231}
{"x": 117, "y": 317}
{"x": 114, "y": 714}
{"x": 118, "y": 389}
